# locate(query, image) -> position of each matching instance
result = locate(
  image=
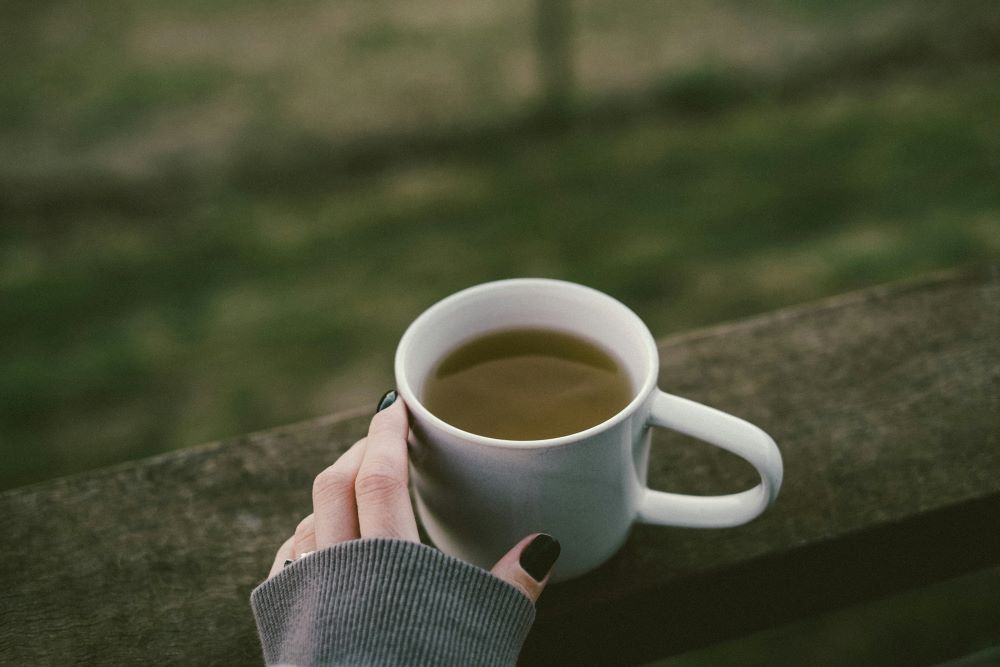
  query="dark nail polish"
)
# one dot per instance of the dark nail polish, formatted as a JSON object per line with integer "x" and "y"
{"x": 388, "y": 398}
{"x": 539, "y": 556}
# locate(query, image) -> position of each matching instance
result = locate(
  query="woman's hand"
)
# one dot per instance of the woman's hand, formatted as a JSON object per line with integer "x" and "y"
{"x": 365, "y": 494}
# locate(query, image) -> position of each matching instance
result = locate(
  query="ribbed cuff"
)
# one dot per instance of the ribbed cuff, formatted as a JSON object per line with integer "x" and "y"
{"x": 389, "y": 602}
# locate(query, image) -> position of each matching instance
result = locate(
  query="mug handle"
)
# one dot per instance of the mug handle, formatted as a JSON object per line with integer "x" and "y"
{"x": 722, "y": 430}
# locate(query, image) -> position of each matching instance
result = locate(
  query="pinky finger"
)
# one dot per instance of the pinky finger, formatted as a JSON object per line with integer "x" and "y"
{"x": 285, "y": 552}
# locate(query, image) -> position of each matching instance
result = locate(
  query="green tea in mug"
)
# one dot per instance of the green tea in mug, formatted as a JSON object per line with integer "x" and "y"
{"x": 527, "y": 384}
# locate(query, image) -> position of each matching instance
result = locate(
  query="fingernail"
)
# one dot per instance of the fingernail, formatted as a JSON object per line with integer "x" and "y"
{"x": 388, "y": 398}
{"x": 539, "y": 556}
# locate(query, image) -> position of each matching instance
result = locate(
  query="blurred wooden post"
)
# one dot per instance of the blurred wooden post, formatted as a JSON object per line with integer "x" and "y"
{"x": 555, "y": 58}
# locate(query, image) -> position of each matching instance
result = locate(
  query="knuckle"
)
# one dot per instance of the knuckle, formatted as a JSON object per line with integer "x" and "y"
{"x": 331, "y": 484}
{"x": 378, "y": 485}
{"x": 305, "y": 528}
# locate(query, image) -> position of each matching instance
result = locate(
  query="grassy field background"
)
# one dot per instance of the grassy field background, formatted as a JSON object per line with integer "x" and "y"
{"x": 137, "y": 88}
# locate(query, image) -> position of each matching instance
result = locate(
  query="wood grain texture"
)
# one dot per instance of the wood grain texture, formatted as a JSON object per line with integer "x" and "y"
{"x": 885, "y": 403}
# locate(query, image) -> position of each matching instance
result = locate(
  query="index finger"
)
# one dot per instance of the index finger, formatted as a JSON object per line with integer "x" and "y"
{"x": 381, "y": 488}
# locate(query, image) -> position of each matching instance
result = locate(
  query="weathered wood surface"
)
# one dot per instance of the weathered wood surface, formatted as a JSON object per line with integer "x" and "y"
{"x": 886, "y": 405}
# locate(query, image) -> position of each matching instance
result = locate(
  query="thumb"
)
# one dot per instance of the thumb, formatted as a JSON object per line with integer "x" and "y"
{"x": 528, "y": 564}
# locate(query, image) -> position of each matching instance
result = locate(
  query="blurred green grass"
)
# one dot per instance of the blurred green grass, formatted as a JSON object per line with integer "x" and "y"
{"x": 131, "y": 333}
{"x": 206, "y": 232}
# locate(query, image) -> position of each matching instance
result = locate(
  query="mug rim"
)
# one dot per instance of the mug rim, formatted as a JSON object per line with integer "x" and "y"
{"x": 417, "y": 408}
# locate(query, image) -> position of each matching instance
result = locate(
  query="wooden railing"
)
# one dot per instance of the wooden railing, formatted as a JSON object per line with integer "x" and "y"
{"x": 885, "y": 403}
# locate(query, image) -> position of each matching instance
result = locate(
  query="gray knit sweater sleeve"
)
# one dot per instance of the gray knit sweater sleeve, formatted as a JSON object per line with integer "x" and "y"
{"x": 389, "y": 602}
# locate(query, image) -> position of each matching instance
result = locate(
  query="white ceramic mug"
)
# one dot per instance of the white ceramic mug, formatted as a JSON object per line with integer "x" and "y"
{"x": 477, "y": 496}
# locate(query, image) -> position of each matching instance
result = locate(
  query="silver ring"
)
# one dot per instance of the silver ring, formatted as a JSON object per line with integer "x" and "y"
{"x": 289, "y": 561}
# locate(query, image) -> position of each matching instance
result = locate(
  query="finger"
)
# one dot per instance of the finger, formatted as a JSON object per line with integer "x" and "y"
{"x": 384, "y": 508}
{"x": 333, "y": 499}
{"x": 284, "y": 553}
{"x": 305, "y": 536}
{"x": 528, "y": 564}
